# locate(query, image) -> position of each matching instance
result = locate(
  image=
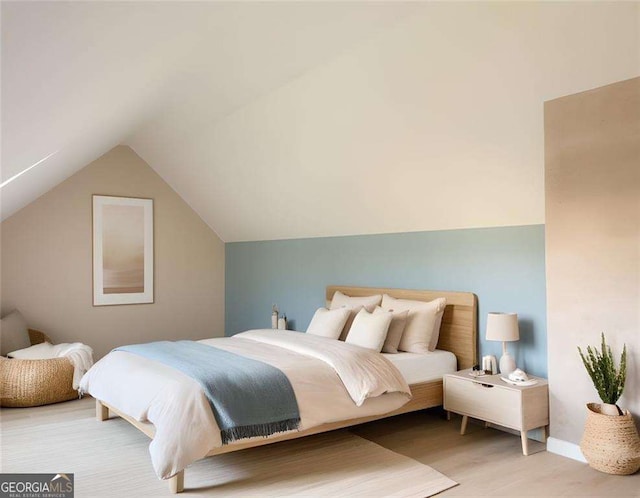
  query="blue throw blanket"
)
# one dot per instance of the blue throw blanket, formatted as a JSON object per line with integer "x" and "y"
{"x": 248, "y": 397}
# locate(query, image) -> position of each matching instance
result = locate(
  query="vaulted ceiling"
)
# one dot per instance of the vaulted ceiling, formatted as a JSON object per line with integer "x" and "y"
{"x": 296, "y": 119}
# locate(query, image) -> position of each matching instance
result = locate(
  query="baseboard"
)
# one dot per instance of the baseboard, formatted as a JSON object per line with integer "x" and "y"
{"x": 565, "y": 449}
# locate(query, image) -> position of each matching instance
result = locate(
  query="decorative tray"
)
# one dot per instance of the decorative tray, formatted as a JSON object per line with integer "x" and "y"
{"x": 530, "y": 382}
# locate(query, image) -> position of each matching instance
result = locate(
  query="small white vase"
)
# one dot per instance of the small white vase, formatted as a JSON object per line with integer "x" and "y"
{"x": 609, "y": 409}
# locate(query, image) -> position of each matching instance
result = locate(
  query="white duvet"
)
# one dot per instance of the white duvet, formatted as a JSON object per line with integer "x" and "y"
{"x": 332, "y": 381}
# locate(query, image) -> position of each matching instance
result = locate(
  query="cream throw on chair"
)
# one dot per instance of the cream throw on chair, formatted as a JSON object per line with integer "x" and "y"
{"x": 80, "y": 355}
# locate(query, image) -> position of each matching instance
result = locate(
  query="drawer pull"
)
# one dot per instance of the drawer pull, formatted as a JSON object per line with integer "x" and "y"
{"x": 480, "y": 384}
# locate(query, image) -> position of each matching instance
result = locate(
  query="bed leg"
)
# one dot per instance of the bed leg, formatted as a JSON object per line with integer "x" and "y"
{"x": 176, "y": 483}
{"x": 102, "y": 412}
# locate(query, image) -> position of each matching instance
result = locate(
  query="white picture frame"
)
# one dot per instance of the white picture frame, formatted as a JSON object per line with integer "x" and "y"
{"x": 123, "y": 262}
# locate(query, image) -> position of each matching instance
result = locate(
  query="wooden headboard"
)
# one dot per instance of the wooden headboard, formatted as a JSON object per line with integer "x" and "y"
{"x": 459, "y": 330}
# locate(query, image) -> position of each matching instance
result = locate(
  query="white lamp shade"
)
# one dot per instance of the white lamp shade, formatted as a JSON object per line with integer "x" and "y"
{"x": 502, "y": 327}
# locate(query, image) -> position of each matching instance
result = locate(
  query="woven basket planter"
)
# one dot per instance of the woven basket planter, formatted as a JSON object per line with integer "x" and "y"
{"x": 610, "y": 443}
{"x": 26, "y": 383}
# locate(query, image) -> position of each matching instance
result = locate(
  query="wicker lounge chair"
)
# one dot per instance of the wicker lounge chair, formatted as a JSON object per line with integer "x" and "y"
{"x": 35, "y": 382}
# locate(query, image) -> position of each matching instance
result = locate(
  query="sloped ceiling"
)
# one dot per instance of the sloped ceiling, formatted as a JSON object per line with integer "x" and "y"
{"x": 81, "y": 77}
{"x": 297, "y": 119}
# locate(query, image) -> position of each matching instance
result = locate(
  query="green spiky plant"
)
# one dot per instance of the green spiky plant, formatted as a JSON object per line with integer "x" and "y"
{"x": 608, "y": 381}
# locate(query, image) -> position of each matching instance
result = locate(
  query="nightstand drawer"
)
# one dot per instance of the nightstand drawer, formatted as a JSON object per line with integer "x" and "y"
{"x": 491, "y": 403}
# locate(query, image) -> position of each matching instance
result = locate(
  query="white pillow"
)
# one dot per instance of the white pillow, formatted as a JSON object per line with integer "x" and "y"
{"x": 398, "y": 322}
{"x": 421, "y": 321}
{"x": 355, "y": 304}
{"x": 369, "y": 330}
{"x": 14, "y": 333}
{"x": 42, "y": 351}
{"x": 339, "y": 300}
{"x": 328, "y": 323}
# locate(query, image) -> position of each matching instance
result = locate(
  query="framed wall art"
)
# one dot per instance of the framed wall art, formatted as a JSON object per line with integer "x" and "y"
{"x": 122, "y": 250}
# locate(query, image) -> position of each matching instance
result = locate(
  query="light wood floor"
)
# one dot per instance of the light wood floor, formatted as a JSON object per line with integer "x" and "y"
{"x": 486, "y": 462}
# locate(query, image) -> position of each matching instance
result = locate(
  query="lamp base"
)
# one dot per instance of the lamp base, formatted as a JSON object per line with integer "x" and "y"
{"x": 507, "y": 363}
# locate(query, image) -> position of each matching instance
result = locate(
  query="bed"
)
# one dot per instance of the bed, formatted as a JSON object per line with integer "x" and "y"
{"x": 458, "y": 337}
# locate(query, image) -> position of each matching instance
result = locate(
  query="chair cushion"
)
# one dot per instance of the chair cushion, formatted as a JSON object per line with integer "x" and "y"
{"x": 14, "y": 333}
{"x": 42, "y": 351}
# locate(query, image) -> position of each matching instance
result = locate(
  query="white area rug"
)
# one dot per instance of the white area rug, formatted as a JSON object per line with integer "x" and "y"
{"x": 111, "y": 459}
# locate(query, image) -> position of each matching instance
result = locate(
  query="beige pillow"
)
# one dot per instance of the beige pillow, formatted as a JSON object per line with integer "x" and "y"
{"x": 369, "y": 330}
{"x": 353, "y": 311}
{"x": 421, "y": 321}
{"x": 355, "y": 304}
{"x": 14, "y": 333}
{"x": 328, "y": 323}
{"x": 436, "y": 330}
{"x": 398, "y": 322}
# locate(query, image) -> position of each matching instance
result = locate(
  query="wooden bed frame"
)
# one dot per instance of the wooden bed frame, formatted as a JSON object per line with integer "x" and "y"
{"x": 458, "y": 334}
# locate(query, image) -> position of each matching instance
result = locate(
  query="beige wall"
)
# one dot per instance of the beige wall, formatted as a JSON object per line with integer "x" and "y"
{"x": 47, "y": 269}
{"x": 592, "y": 143}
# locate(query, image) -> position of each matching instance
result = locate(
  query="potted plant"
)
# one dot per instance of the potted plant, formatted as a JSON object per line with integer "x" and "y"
{"x": 610, "y": 442}
{"x": 608, "y": 381}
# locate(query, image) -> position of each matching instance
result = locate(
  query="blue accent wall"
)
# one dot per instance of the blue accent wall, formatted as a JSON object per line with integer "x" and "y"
{"x": 504, "y": 267}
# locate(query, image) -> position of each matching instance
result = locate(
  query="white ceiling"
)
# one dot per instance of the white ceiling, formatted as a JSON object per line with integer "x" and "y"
{"x": 300, "y": 119}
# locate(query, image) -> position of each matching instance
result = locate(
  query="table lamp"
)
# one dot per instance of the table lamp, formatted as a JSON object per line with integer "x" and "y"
{"x": 503, "y": 327}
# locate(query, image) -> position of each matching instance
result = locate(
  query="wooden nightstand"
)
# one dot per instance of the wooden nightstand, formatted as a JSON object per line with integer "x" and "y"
{"x": 491, "y": 399}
